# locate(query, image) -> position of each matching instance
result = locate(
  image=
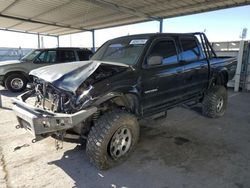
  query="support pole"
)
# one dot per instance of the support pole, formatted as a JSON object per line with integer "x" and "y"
{"x": 1, "y": 105}
{"x": 58, "y": 42}
{"x": 238, "y": 69}
{"x": 93, "y": 41}
{"x": 38, "y": 37}
{"x": 70, "y": 40}
{"x": 161, "y": 25}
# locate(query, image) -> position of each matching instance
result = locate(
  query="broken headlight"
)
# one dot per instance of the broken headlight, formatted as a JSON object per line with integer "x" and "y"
{"x": 84, "y": 97}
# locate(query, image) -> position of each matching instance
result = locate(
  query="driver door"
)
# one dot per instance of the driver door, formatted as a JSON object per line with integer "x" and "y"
{"x": 162, "y": 84}
{"x": 47, "y": 57}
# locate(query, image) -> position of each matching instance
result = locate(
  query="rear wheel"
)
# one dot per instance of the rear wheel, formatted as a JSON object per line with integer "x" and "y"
{"x": 215, "y": 102}
{"x": 112, "y": 139}
{"x": 16, "y": 82}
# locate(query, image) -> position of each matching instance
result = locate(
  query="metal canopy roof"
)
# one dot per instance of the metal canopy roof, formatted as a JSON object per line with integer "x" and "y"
{"x": 60, "y": 17}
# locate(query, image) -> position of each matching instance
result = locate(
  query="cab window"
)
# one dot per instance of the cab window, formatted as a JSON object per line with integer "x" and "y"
{"x": 46, "y": 57}
{"x": 190, "y": 49}
{"x": 167, "y": 50}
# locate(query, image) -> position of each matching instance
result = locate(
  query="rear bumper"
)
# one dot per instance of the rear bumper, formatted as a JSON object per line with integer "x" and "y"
{"x": 40, "y": 122}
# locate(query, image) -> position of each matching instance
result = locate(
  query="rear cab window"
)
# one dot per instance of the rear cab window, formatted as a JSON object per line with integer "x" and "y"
{"x": 190, "y": 49}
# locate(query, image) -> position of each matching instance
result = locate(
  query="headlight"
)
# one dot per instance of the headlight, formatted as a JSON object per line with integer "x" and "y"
{"x": 85, "y": 97}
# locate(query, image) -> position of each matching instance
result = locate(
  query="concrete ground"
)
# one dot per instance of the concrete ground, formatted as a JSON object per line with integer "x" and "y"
{"x": 185, "y": 150}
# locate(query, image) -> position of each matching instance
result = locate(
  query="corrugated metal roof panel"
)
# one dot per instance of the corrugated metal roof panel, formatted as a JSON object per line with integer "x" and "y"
{"x": 27, "y": 26}
{"x": 58, "y": 17}
{"x": 6, "y": 22}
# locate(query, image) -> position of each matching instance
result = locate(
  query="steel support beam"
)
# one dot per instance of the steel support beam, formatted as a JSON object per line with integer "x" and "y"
{"x": 38, "y": 41}
{"x": 26, "y": 32}
{"x": 55, "y": 30}
{"x": 161, "y": 25}
{"x": 58, "y": 41}
{"x": 93, "y": 41}
{"x": 41, "y": 22}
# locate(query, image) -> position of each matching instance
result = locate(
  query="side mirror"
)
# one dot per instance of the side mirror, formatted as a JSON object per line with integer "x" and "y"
{"x": 154, "y": 60}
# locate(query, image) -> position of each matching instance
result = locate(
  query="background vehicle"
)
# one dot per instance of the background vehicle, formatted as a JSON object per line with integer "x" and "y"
{"x": 14, "y": 75}
{"x": 128, "y": 78}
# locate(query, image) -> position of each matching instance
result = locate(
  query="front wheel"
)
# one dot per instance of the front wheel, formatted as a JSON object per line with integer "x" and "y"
{"x": 16, "y": 82}
{"x": 112, "y": 139}
{"x": 214, "y": 103}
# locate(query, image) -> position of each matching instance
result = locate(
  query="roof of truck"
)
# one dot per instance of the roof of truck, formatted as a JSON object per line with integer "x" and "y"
{"x": 151, "y": 35}
{"x": 159, "y": 34}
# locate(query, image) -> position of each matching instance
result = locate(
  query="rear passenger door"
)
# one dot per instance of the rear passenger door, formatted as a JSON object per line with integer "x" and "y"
{"x": 162, "y": 84}
{"x": 196, "y": 65}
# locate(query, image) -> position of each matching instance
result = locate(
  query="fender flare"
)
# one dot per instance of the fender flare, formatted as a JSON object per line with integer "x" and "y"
{"x": 221, "y": 71}
{"x": 107, "y": 97}
{"x": 128, "y": 98}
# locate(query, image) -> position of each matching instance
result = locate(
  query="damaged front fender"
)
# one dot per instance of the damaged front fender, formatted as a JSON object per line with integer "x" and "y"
{"x": 69, "y": 76}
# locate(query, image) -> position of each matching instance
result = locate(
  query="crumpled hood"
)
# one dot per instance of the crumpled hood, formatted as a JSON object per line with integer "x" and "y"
{"x": 69, "y": 76}
{"x": 9, "y": 62}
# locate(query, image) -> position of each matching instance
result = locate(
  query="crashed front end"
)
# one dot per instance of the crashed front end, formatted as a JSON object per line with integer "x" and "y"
{"x": 62, "y": 97}
{"x": 52, "y": 111}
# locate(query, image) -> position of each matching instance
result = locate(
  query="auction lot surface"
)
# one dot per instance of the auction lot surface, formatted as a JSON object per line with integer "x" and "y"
{"x": 184, "y": 150}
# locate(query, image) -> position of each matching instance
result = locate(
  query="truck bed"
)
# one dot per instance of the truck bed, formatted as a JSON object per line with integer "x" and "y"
{"x": 229, "y": 63}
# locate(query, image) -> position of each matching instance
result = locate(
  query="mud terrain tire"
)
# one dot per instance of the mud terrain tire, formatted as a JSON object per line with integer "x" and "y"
{"x": 215, "y": 102}
{"x": 112, "y": 139}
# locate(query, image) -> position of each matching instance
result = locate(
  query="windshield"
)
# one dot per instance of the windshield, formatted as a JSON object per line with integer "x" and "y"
{"x": 125, "y": 50}
{"x": 31, "y": 55}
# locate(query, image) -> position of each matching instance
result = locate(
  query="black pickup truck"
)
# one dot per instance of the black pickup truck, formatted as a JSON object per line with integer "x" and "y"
{"x": 127, "y": 79}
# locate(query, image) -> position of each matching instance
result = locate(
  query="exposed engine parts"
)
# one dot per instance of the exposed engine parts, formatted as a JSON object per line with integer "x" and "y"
{"x": 49, "y": 97}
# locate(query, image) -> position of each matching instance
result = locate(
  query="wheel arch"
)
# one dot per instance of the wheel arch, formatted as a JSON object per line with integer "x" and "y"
{"x": 128, "y": 100}
{"x": 16, "y": 72}
{"x": 220, "y": 78}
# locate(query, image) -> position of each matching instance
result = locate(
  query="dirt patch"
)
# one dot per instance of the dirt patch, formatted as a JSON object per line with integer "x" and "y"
{"x": 180, "y": 140}
{"x": 180, "y": 148}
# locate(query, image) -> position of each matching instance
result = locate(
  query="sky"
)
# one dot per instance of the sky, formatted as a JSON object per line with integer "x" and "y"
{"x": 221, "y": 25}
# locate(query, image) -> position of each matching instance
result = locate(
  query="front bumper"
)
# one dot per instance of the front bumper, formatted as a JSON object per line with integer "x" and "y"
{"x": 1, "y": 79}
{"x": 41, "y": 122}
